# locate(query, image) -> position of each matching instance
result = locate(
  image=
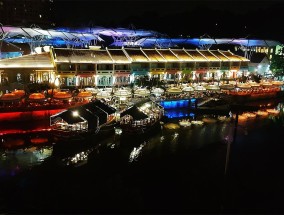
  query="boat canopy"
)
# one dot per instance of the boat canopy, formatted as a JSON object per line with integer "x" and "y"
{"x": 108, "y": 109}
{"x": 67, "y": 116}
{"x": 135, "y": 113}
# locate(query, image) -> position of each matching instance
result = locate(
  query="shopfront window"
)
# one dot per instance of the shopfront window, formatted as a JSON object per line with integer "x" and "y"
{"x": 32, "y": 78}
{"x": 45, "y": 77}
{"x": 19, "y": 77}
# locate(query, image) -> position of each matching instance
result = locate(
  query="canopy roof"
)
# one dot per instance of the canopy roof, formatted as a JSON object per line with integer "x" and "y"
{"x": 125, "y": 37}
{"x": 88, "y": 115}
{"x": 93, "y": 112}
{"x": 62, "y": 95}
{"x": 122, "y": 93}
{"x": 68, "y": 117}
{"x": 64, "y": 55}
{"x": 36, "y": 96}
{"x": 174, "y": 90}
{"x": 117, "y": 56}
{"x": 103, "y": 94}
{"x": 106, "y": 108}
{"x": 84, "y": 94}
{"x": 117, "y": 32}
{"x": 154, "y": 55}
{"x": 142, "y": 91}
{"x": 227, "y": 86}
{"x": 25, "y": 35}
{"x": 28, "y": 61}
{"x": 188, "y": 89}
{"x": 9, "y": 97}
{"x": 197, "y": 42}
{"x": 158, "y": 90}
{"x": 135, "y": 113}
{"x": 212, "y": 87}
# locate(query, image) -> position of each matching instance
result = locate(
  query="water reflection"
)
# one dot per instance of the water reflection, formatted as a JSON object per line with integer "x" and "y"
{"x": 78, "y": 159}
{"x": 215, "y": 129}
{"x": 134, "y": 154}
{"x": 13, "y": 162}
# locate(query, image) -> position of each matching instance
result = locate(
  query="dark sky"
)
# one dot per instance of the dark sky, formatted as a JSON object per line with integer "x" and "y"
{"x": 230, "y": 18}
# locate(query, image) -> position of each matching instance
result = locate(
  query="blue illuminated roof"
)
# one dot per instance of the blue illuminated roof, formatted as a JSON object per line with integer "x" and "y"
{"x": 171, "y": 42}
{"x": 121, "y": 37}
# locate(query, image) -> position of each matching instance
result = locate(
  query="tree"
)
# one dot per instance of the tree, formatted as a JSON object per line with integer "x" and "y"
{"x": 277, "y": 63}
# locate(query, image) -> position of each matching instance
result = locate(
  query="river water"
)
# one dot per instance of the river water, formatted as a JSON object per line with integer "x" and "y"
{"x": 177, "y": 170}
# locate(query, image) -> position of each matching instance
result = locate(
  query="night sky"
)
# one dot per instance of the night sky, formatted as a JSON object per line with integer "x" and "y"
{"x": 189, "y": 18}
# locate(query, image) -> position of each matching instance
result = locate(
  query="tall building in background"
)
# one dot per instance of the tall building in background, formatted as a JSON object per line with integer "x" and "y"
{"x": 27, "y": 12}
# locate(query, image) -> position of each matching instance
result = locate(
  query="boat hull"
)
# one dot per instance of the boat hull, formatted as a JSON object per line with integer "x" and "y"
{"x": 142, "y": 132}
{"x": 78, "y": 142}
{"x": 257, "y": 96}
{"x": 71, "y": 141}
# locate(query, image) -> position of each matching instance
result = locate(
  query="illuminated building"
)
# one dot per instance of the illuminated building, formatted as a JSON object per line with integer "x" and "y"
{"x": 117, "y": 67}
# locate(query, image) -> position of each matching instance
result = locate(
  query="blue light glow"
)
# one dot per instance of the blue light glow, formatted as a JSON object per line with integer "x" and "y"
{"x": 175, "y": 104}
{"x": 179, "y": 114}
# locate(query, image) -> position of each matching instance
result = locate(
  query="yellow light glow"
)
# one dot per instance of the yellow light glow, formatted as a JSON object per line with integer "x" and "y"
{"x": 56, "y": 82}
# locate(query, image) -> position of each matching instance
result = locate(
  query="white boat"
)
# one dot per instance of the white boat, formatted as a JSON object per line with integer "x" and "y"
{"x": 184, "y": 123}
{"x": 197, "y": 122}
{"x": 141, "y": 118}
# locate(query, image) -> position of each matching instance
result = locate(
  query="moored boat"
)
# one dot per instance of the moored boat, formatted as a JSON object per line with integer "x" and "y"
{"x": 184, "y": 123}
{"x": 81, "y": 127}
{"x": 262, "y": 91}
{"x": 141, "y": 118}
{"x": 197, "y": 122}
{"x": 82, "y": 121}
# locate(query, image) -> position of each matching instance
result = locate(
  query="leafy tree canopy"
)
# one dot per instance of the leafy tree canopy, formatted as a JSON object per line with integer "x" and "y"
{"x": 277, "y": 64}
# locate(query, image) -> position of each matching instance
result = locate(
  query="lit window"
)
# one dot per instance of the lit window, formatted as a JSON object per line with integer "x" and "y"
{"x": 19, "y": 77}
{"x": 39, "y": 15}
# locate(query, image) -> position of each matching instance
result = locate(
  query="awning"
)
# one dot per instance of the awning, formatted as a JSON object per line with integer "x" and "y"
{"x": 103, "y": 106}
{"x": 157, "y": 72}
{"x": 200, "y": 71}
{"x": 135, "y": 113}
{"x": 90, "y": 74}
{"x": 89, "y": 116}
{"x": 67, "y": 116}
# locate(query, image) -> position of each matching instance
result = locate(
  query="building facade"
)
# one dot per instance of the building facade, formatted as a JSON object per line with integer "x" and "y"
{"x": 120, "y": 67}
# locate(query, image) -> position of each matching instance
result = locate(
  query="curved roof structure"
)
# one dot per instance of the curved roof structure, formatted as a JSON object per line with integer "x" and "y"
{"x": 47, "y": 37}
{"x": 120, "y": 37}
{"x": 118, "y": 32}
{"x": 171, "y": 42}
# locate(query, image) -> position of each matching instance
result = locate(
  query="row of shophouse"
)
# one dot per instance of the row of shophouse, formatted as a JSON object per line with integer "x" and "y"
{"x": 117, "y": 67}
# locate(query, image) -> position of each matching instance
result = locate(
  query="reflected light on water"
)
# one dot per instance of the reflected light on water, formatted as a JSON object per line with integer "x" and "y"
{"x": 134, "y": 154}
{"x": 78, "y": 159}
{"x": 175, "y": 136}
{"x": 15, "y": 161}
{"x": 171, "y": 139}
